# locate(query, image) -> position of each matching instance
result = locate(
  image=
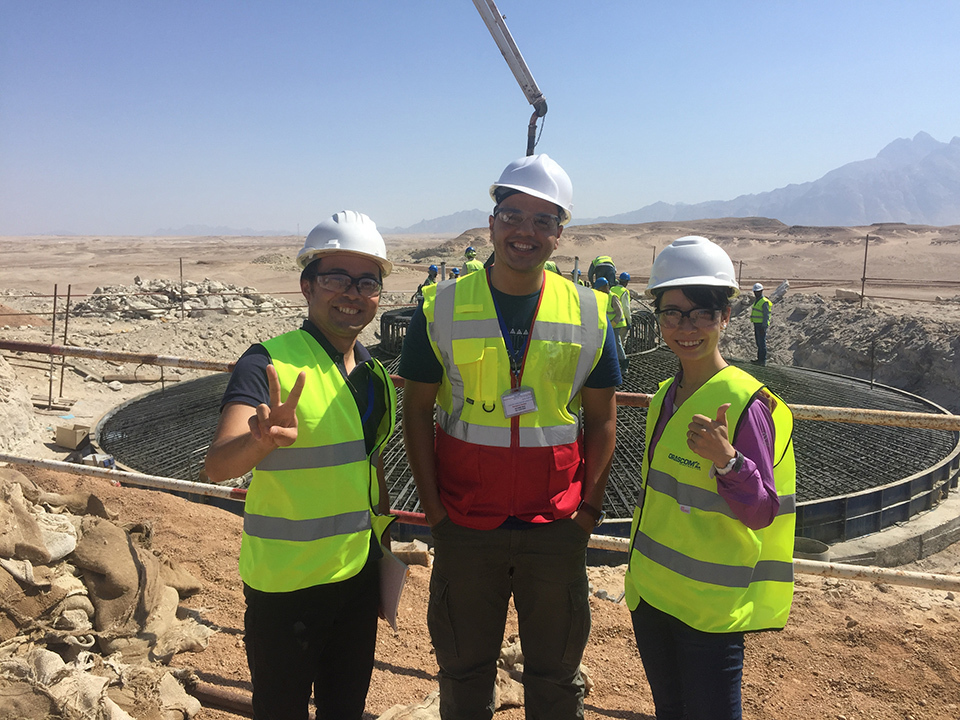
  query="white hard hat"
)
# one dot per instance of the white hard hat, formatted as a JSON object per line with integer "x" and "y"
{"x": 346, "y": 232}
{"x": 692, "y": 260}
{"x": 757, "y": 287}
{"x": 542, "y": 177}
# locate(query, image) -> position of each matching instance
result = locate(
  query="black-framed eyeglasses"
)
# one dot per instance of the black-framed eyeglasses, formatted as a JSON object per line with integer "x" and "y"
{"x": 341, "y": 282}
{"x": 542, "y": 222}
{"x": 699, "y": 317}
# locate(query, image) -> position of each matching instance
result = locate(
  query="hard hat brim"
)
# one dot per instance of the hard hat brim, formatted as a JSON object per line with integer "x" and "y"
{"x": 305, "y": 258}
{"x": 565, "y": 215}
{"x": 707, "y": 280}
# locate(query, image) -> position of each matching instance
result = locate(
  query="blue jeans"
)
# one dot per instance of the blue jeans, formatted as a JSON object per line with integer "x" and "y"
{"x": 693, "y": 675}
{"x": 475, "y": 572}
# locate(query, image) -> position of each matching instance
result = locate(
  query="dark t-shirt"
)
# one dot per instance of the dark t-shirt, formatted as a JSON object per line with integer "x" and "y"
{"x": 418, "y": 362}
{"x": 248, "y": 383}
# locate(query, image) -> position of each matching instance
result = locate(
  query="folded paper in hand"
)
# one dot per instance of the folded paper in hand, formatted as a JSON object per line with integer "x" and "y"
{"x": 393, "y": 575}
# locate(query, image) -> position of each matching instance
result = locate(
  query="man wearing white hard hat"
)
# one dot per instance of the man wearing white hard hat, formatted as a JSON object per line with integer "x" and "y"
{"x": 309, "y": 412}
{"x": 760, "y": 317}
{"x": 520, "y": 367}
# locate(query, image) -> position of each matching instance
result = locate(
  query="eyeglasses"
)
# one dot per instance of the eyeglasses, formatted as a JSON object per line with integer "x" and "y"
{"x": 341, "y": 282}
{"x": 542, "y": 222}
{"x": 700, "y": 317}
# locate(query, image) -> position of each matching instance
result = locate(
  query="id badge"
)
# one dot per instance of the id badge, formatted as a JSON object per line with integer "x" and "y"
{"x": 518, "y": 401}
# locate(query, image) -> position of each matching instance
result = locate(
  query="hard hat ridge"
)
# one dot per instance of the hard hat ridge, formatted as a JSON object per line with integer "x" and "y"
{"x": 540, "y": 176}
{"x": 693, "y": 260}
{"x": 347, "y": 231}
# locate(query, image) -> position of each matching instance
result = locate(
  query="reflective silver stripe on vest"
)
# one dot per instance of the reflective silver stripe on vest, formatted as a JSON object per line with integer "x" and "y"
{"x": 733, "y": 576}
{"x": 591, "y": 338}
{"x": 466, "y": 329}
{"x": 500, "y": 436}
{"x": 275, "y": 528}
{"x": 306, "y": 458}
{"x": 702, "y": 499}
{"x": 444, "y": 330}
{"x": 441, "y": 331}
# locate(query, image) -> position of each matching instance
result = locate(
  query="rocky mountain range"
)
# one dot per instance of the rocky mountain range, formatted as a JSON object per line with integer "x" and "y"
{"x": 915, "y": 181}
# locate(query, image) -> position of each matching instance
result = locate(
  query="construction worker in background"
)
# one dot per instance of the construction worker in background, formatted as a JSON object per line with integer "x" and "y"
{"x": 602, "y": 266}
{"x": 712, "y": 535}
{"x": 614, "y": 317}
{"x": 472, "y": 264}
{"x": 580, "y": 281}
{"x": 432, "y": 272}
{"x": 309, "y": 412}
{"x": 760, "y": 317}
{"x": 623, "y": 295}
{"x": 551, "y": 266}
{"x": 454, "y": 273}
{"x": 520, "y": 367}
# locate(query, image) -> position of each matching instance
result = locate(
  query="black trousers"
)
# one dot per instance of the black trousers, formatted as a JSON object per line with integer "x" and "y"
{"x": 319, "y": 641}
{"x": 760, "y": 335}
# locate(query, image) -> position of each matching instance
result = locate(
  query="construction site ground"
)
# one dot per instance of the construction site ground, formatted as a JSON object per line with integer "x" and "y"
{"x": 850, "y": 650}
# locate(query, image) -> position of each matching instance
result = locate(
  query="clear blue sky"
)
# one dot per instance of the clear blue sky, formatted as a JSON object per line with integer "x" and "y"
{"x": 124, "y": 117}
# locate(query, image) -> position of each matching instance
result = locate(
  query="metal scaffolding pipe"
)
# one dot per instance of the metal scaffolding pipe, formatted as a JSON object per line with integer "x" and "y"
{"x": 868, "y": 573}
{"x": 599, "y": 542}
{"x": 125, "y": 477}
{"x": 862, "y": 416}
{"x": 96, "y": 353}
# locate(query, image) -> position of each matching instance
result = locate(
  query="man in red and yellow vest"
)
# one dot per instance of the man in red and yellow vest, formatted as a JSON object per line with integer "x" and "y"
{"x": 309, "y": 412}
{"x": 519, "y": 366}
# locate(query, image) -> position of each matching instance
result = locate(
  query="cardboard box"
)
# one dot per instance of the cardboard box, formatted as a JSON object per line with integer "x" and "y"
{"x": 73, "y": 436}
{"x": 99, "y": 460}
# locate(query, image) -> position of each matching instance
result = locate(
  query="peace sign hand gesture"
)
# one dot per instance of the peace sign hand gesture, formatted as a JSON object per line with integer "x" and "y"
{"x": 276, "y": 424}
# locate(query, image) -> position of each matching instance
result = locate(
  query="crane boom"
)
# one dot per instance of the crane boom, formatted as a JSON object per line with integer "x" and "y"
{"x": 518, "y": 66}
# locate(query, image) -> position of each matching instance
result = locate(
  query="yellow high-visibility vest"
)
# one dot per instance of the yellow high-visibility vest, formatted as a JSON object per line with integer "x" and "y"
{"x": 311, "y": 507}
{"x": 690, "y": 557}
{"x": 624, "y": 295}
{"x": 564, "y": 347}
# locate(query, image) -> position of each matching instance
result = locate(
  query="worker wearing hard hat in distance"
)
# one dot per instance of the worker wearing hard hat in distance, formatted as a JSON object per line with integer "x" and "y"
{"x": 760, "y": 317}
{"x": 431, "y": 279}
{"x": 602, "y": 266}
{"x": 614, "y": 316}
{"x": 472, "y": 264}
{"x": 309, "y": 412}
{"x": 520, "y": 366}
{"x": 622, "y": 328}
{"x": 712, "y": 535}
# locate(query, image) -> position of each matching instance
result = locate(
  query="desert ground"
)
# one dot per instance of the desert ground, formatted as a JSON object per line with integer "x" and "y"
{"x": 850, "y": 650}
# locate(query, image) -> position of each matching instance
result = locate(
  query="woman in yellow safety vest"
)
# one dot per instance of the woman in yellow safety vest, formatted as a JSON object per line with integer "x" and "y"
{"x": 712, "y": 534}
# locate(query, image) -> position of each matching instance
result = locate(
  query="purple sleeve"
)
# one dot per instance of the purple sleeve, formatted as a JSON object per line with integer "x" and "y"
{"x": 751, "y": 492}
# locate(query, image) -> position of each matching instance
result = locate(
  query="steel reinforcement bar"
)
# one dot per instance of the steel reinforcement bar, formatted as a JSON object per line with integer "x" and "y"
{"x": 863, "y": 416}
{"x": 601, "y": 542}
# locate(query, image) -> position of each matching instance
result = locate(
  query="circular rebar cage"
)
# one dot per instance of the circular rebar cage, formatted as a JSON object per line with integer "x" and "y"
{"x": 852, "y": 479}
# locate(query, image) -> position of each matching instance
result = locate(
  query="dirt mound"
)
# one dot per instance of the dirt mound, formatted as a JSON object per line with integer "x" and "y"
{"x": 850, "y": 649}
{"x": 910, "y": 347}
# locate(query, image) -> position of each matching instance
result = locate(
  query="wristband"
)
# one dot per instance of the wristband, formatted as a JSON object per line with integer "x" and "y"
{"x": 735, "y": 463}
{"x": 597, "y": 515}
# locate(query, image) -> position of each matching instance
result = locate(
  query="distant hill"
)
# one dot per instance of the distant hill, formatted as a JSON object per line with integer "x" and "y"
{"x": 209, "y": 231}
{"x": 910, "y": 181}
{"x": 456, "y": 223}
